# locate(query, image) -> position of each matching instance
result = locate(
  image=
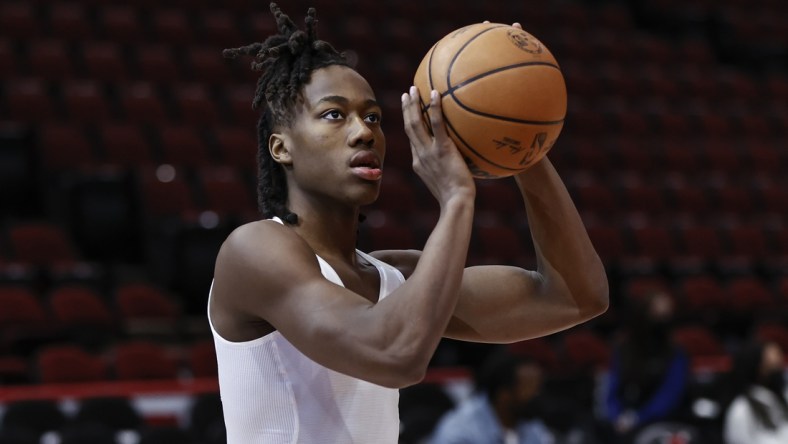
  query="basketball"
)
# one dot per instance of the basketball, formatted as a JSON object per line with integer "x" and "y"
{"x": 503, "y": 96}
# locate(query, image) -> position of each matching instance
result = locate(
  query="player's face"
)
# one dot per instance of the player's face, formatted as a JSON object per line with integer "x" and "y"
{"x": 335, "y": 142}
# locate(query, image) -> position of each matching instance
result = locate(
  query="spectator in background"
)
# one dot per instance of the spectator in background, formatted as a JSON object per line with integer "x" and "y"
{"x": 648, "y": 373}
{"x": 758, "y": 413}
{"x": 504, "y": 411}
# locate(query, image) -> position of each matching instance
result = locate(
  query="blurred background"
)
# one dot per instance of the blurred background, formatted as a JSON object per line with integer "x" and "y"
{"x": 127, "y": 154}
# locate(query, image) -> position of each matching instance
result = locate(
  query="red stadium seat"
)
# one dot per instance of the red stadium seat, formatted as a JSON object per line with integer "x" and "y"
{"x": 205, "y": 64}
{"x": 41, "y": 244}
{"x": 390, "y": 236}
{"x": 65, "y": 147}
{"x": 75, "y": 305}
{"x": 607, "y": 242}
{"x": 237, "y": 147}
{"x": 85, "y": 102}
{"x": 49, "y": 60}
{"x": 140, "y": 301}
{"x": 18, "y": 20}
{"x": 172, "y": 26}
{"x": 143, "y": 360}
{"x": 700, "y": 241}
{"x": 69, "y": 21}
{"x": 120, "y": 23}
{"x": 104, "y": 61}
{"x": 220, "y": 28}
{"x": 538, "y": 349}
{"x": 182, "y": 146}
{"x": 497, "y": 244}
{"x": 69, "y": 364}
{"x": 226, "y": 194}
{"x": 124, "y": 145}
{"x": 747, "y": 241}
{"x": 9, "y": 65}
{"x": 196, "y": 105}
{"x": 644, "y": 199}
{"x": 773, "y": 332}
{"x": 19, "y": 307}
{"x": 28, "y": 101}
{"x": 642, "y": 286}
{"x": 141, "y": 104}
{"x": 202, "y": 359}
{"x": 749, "y": 297}
{"x": 653, "y": 242}
{"x": 499, "y": 196}
{"x": 701, "y": 297}
{"x": 165, "y": 193}
{"x": 585, "y": 350}
{"x": 157, "y": 64}
{"x": 698, "y": 342}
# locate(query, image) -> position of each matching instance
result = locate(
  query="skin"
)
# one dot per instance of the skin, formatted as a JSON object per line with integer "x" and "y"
{"x": 267, "y": 277}
{"x": 528, "y": 385}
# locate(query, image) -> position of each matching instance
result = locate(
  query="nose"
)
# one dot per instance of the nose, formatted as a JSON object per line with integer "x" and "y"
{"x": 360, "y": 133}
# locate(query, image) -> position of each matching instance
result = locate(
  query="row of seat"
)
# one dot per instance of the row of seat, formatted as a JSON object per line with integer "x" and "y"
{"x": 124, "y": 360}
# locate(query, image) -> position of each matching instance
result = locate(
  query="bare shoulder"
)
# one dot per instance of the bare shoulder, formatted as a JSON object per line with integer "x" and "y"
{"x": 259, "y": 260}
{"x": 403, "y": 260}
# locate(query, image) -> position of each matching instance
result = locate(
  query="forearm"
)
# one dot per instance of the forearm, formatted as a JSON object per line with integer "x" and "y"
{"x": 565, "y": 255}
{"x": 420, "y": 310}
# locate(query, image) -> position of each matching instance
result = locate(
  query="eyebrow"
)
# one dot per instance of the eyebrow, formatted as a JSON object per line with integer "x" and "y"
{"x": 344, "y": 101}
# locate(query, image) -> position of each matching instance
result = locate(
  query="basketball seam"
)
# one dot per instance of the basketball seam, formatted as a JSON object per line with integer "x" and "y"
{"x": 470, "y": 148}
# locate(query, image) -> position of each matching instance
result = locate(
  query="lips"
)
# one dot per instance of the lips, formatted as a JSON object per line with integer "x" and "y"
{"x": 366, "y": 165}
{"x": 366, "y": 159}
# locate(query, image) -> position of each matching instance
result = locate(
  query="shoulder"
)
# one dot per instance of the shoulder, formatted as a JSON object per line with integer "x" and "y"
{"x": 262, "y": 255}
{"x": 403, "y": 260}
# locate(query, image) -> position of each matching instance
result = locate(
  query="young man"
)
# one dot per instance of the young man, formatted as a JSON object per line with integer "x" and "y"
{"x": 314, "y": 337}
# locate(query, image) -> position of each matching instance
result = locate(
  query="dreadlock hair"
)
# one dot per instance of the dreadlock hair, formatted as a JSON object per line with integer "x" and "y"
{"x": 286, "y": 60}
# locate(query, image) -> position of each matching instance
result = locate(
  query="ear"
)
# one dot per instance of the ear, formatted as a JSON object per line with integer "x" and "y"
{"x": 277, "y": 146}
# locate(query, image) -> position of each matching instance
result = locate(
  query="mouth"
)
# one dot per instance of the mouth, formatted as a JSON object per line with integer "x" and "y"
{"x": 366, "y": 165}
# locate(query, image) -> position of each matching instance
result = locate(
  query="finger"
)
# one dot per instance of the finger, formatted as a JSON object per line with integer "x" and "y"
{"x": 436, "y": 118}
{"x": 517, "y": 25}
{"x": 411, "y": 115}
{"x": 486, "y": 21}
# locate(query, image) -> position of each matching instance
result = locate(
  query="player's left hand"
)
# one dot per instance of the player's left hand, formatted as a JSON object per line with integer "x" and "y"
{"x": 515, "y": 24}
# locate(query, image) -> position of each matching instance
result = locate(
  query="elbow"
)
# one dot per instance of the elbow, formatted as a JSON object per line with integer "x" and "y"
{"x": 403, "y": 373}
{"x": 597, "y": 299}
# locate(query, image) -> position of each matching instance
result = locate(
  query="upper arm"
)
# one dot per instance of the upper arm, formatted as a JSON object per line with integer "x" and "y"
{"x": 267, "y": 272}
{"x": 501, "y": 304}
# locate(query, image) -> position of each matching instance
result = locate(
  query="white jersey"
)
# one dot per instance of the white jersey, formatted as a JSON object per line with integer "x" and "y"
{"x": 272, "y": 393}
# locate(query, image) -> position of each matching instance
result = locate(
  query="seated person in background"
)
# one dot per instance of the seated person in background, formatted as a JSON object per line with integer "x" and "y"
{"x": 648, "y": 375}
{"x": 505, "y": 409}
{"x": 758, "y": 413}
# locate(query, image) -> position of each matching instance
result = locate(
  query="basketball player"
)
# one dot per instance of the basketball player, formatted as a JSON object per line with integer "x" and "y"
{"x": 313, "y": 337}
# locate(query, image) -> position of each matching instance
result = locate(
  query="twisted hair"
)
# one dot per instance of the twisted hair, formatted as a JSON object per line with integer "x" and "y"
{"x": 286, "y": 61}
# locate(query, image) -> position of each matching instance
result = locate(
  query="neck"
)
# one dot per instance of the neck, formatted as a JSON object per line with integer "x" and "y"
{"x": 332, "y": 232}
{"x": 504, "y": 415}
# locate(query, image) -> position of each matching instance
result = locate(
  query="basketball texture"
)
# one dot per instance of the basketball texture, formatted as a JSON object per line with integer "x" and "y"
{"x": 503, "y": 96}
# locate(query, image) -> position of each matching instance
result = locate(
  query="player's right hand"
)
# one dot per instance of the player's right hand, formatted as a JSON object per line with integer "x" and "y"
{"x": 436, "y": 158}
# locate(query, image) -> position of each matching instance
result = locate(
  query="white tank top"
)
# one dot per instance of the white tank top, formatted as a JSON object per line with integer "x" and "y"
{"x": 273, "y": 394}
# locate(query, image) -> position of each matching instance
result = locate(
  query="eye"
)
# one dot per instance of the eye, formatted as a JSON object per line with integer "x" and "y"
{"x": 332, "y": 115}
{"x": 372, "y": 118}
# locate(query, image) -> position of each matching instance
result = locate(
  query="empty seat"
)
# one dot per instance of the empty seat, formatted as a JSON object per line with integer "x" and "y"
{"x": 698, "y": 342}
{"x": 65, "y": 147}
{"x": 165, "y": 193}
{"x": 226, "y": 194}
{"x": 120, "y": 23}
{"x": 237, "y": 147}
{"x": 29, "y": 101}
{"x": 748, "y": 297}
{"x": 85, "y": 102}
{"x": 500, "y": 244}
{"x": 143, "y": 360}
{"x": 68, "y": 364}
{"x": 19, "y": 307}
{"x": 157, "y": 64}
{"x": 141, "y": 104}
{"x": 654, "y": 242}
{"x": 195, "y": 104}
{"x": 206, "y": 64}
{"x": 41, "y": 244}
{"x": 220, "y": 28}
{"x": 172, "y": 25}
{"x": 104, "y": 61}
{"x": 18, "y": 20}
{"x": 747, "y": 241}
{"x": 183, "y": 146}
{"x": 124, "y": 145}
{"x": 69, "y": 21}
{"x": 608, "y": 242}
{"x": 50, "y": 60}
{"x": 77, "y": 305}
{"x": 585, "y": 350}
{"x": 701, "y": 297}
{"x": 140, "y": 301}
{"x": 202, "y": 359}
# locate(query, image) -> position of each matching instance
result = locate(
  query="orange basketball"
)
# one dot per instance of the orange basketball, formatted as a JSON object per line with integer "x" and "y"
{"x": 503, "y": 96}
